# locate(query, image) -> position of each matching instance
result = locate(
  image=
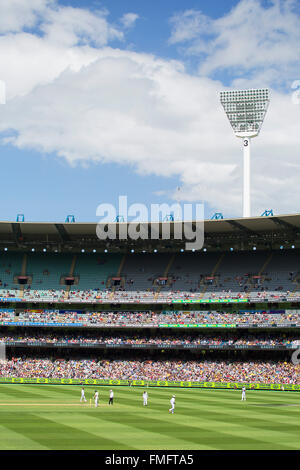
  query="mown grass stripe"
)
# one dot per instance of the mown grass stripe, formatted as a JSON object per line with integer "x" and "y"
{"x": 204, "y": 419}
{"x": 105, "y": 424}
{"x": 198, "y": 433}
{"x": 56, "y": 436}
{"x": 11, "y": 440}
{"x": 237, "y": 433}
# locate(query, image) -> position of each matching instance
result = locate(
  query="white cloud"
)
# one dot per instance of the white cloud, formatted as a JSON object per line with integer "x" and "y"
{"x": 129, "y": 19}
{"x": 250, "y": 38}
{"x": 91, "y": 104}
{"x": 28, "y": 61}
{"x": 70, "y": 26}
{"x": 63, "y": 25}
{"x": 18, "y": 14}
{"x": 188, "y": 25}
{"x": 57, "y": 38}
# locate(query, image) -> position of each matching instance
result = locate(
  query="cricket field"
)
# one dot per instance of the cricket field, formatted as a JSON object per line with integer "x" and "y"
{"x": 43, "y": 417}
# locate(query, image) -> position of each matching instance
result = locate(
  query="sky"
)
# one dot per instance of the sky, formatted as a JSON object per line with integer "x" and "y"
{"x": 111, "y": 98}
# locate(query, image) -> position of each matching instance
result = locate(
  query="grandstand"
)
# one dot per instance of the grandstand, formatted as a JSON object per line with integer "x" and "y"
{"x": 68, "y": 296}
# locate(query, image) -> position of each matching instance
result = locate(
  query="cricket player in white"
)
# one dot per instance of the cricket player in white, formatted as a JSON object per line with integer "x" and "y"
{"x": 96, "y": 398}
{"x": 243, "y": 394}
{"x": 82, "y": 398}
{"x": 172, "y": 401}
{"x": 145, "y": 398}
{"x": 111, "y": 398}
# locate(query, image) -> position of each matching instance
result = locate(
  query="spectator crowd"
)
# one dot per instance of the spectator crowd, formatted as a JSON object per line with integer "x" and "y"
{"x": 150, "y": 318}
{"x": 151, "y": 295}
{"x": 177, "y": 370}
{"x": 286, "y": 340}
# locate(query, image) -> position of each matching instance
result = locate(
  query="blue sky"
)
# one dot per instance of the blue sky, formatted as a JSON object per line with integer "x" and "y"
{"x": 125, "y": 102}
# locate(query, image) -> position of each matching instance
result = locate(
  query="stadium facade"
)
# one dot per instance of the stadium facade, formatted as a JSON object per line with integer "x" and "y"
{"x": 74, "y": 307}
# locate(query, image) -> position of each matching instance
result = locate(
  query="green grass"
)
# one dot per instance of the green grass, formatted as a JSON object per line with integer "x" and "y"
{"x": 50, "y": 417}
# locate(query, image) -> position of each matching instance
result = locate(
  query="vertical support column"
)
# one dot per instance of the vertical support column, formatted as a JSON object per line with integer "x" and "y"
{"x": 246, "y": 194}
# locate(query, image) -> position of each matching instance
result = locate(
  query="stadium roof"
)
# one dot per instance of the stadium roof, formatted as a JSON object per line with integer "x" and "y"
{"x": 240, "y": 233}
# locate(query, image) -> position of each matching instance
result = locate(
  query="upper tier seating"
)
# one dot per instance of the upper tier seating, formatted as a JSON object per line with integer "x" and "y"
{"x": 254, "y": 275}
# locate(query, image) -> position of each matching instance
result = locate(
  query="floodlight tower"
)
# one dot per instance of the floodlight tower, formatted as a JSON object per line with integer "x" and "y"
{"x": 246, "y": 111}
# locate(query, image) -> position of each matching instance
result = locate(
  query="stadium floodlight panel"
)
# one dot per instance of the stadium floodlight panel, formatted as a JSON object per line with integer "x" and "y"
{"x": 246, "y": 110}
